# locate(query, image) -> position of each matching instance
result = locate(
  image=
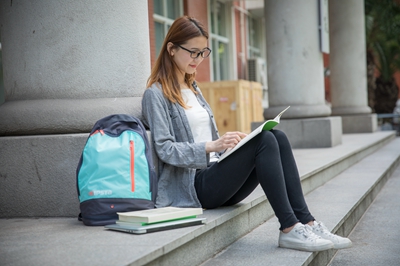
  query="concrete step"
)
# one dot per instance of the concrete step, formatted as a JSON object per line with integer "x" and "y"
{"x": 376, "y": 235}
{"x": 65, "y": 241}
{"x": 340, "y": 203}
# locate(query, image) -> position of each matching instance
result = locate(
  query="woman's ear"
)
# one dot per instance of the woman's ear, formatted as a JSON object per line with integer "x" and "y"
{"x": 170, "y": 49}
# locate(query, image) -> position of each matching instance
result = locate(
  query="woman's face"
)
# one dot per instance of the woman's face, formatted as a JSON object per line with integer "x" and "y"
{"x": 182, "y": 58}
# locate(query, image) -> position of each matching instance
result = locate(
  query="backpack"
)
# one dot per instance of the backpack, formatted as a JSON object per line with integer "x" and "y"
{"x": 115, "y": 172}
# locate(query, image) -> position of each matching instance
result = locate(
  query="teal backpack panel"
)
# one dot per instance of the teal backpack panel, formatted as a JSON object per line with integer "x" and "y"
{"x": 114, "y": 167}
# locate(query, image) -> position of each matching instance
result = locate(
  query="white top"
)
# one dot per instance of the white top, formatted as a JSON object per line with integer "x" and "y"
{"x": 199, "y": 120}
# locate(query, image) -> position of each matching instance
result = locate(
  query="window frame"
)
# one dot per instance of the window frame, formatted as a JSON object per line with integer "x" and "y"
{"x": 215, "y": 74}
{"x": 164, "y": 20}
{"x": 261, "y": 50}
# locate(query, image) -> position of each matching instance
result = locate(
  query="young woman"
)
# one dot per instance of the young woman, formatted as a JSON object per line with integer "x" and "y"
{"x": 187, "y": 143}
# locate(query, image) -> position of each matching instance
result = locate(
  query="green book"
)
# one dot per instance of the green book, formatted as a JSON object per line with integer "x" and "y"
{"x": 267, "y": 125}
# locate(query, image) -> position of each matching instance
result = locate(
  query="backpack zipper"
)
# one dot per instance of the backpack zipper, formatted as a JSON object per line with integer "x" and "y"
{"x": 132, "y": 148}
{"x": 97, "y": 131}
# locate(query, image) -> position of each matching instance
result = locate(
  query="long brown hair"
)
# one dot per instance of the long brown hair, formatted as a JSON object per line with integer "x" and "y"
{"x": 165, "y": 69}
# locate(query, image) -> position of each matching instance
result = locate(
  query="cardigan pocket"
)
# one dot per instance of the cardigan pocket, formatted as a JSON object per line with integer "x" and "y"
{"x": 178, "y": 125}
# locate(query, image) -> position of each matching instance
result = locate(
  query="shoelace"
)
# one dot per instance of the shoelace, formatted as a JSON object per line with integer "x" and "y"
{"x": 323, "y": 229}
{"x": 307, "y": 232}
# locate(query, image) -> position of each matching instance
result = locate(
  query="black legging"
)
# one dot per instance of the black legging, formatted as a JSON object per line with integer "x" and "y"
{"x": 267, "y": 160}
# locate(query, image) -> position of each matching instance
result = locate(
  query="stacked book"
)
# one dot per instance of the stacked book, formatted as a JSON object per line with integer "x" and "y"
{"x": 145, "y": 221}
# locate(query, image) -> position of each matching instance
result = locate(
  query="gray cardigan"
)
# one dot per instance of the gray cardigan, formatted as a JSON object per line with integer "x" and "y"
{"x": 178, "y": 155}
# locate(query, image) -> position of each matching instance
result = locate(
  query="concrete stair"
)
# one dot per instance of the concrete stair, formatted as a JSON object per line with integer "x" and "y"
{"x": 339, "y": 183}
{"x": 376, "y": 237}
{"x": 339, "y": 203}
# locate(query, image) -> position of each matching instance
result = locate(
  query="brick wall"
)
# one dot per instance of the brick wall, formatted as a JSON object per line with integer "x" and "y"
{"x": 198, "y": 9}
{"x": 152, "y": 34}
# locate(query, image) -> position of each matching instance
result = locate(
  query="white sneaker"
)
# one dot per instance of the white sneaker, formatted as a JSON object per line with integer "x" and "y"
{"x": 301, "y": 237}
{"x": 338, "y": 242}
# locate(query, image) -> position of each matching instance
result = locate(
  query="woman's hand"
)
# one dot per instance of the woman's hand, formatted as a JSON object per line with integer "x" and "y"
{"x": 226, "y": 141}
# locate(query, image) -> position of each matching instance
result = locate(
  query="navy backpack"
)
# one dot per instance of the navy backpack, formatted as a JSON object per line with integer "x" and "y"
{"x": 116, "y": 171}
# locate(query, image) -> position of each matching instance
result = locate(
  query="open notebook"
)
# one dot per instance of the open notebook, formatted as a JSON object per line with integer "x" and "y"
{"x": 267, "y": 125}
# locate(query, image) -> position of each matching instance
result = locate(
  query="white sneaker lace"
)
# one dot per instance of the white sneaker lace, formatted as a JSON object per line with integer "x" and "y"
{"x": 307, "y": 232}
{"x": 323, "y": 229}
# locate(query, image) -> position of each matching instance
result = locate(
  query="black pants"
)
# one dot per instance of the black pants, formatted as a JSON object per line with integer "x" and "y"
{"x": 267, "y": 160}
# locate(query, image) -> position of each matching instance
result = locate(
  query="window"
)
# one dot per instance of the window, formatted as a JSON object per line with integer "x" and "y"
{"x": 255, "y": 37}
{"x": 257, "y": 66}
{"x": 165, "y": 12}
{"x": 219, "y": 41}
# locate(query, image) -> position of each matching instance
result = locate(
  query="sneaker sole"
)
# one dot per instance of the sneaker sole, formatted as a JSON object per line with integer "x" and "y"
{"x": 300, "y": 246}
{"x": 342, "y": 245}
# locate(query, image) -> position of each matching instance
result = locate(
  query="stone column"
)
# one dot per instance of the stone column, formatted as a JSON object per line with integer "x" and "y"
{"x": 68, "y": 63}
{"x": 295, "y": 73}
{"x": 348, "y": 66}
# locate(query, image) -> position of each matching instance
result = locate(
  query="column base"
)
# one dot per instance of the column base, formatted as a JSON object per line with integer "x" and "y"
{"x": 321, "y": 132}
{"x": 353, "y": 110}
{"x": 38, "y": 175}
{"x": 366, "y": 123}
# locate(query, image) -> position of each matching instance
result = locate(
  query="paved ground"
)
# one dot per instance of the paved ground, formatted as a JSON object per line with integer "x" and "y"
{"x": 376, "y": 238}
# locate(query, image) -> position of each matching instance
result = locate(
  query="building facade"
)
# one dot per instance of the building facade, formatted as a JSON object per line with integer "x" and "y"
{"x": 68, "y": 63}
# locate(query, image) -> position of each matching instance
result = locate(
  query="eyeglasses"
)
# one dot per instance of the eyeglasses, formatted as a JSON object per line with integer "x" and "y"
{"x": 195, "y": 54}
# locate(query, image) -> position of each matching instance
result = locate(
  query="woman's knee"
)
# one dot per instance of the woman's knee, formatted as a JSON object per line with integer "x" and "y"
{"x": 278, "y": 133}
{"x": 267, "y": 134}
{"x": 280, "y": 137}
{"x": 268, "y": 138}
{"x": 275, "y": 137}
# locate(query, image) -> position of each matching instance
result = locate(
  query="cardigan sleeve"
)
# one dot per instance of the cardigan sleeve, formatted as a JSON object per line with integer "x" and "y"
{"x": 171, "y": 147}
